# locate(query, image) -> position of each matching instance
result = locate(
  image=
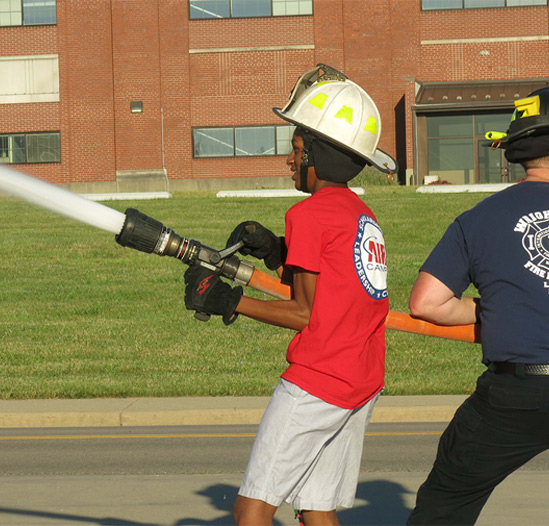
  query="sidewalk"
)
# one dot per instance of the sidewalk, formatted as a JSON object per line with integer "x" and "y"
{"x": 197, "y": 411}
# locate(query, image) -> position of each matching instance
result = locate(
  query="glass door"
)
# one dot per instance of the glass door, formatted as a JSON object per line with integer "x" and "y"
{"x": 493, "y": 167}
{"x": 491, "y": 164}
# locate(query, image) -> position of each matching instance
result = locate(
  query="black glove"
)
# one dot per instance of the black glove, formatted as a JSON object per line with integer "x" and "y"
{"x": 206, "y": 292}
{"x": 260, "y": 243}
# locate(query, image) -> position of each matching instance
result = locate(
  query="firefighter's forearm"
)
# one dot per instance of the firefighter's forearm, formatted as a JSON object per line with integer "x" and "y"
{"x": 282, "y": 313}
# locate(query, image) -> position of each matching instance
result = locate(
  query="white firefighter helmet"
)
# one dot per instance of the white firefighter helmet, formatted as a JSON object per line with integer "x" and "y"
{"x": 327, "y": 103}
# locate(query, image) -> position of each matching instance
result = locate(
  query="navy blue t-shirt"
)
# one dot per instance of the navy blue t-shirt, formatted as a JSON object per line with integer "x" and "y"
{"x": 502, "y": 247}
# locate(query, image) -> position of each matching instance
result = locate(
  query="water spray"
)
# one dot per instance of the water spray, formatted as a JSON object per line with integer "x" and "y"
{"x": 60, "y": 201}
{"x": 141, "y": 232}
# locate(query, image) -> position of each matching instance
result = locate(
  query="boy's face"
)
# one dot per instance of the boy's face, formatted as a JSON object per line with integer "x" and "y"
{"x": 294, "y": 162}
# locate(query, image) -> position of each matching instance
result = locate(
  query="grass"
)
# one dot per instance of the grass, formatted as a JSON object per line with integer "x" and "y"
{"x": 82, "y": 317}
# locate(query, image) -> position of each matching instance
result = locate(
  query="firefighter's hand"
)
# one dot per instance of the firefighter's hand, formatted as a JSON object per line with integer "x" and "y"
{"x": 260, "y": 243}
{"x": 206, "y": 292}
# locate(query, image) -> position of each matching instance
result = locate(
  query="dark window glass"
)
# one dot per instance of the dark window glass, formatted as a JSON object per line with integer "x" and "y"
{"x": 242, "y": 141}
{"x": 441, "y": 4}
{"x": 245, "y": 8}
{"x": 43, "y": 148}
{"x": 30, "y": 148}
{"x": 284, "y": 139}
{"x": 39, "y": 12}
{"x": 448, "y": 126}
{"x": 430, "y": 5}
{"x": 483, "y": 3}
{"x": 213, "y": 142}
{"x": 255, "y": 141}
{"x": 210, "y": 8}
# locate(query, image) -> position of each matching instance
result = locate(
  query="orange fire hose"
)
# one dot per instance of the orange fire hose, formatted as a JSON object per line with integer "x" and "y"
{"x": 269, "y": 284}
{"x": 398, "y": 321}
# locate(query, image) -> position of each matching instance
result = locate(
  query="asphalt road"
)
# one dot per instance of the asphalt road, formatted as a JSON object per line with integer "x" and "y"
{"x": 190, "y": 475}
{"x": 187, "y": 450}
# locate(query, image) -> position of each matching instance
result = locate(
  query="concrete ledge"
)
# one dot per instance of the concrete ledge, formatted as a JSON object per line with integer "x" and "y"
{"x": 230, "y": 183}
{"x": 142, "y": 180}
{"x": 288, "y": 192}
{"x": 460, "y": 188}
{"x": 129, "y": 196}
{"x": 196, "y": 411}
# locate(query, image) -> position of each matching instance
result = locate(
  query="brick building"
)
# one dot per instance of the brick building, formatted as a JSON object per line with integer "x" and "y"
{"x": 128, "y": 95}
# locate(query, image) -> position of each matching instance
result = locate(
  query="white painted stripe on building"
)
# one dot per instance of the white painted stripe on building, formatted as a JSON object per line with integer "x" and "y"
{"x": 484, "y": 40}
{"x": 251, "y": 49}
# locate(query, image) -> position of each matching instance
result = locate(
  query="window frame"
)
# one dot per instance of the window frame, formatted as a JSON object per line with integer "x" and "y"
{"x": 464, "y": 7}
{"x": 271, "y": 15}
{"x": 27, "y": 145}
{"x": 276, "y": 146}
{"x": 21, "y": 13}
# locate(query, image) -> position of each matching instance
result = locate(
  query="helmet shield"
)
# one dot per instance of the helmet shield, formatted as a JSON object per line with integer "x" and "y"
{"x": 333, "y": 107}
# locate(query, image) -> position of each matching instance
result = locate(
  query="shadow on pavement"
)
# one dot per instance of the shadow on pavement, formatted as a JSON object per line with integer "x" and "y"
{"x": 67, "y": 518}
{"x": 385, "y": 505}
{"x": 378, "y": 502}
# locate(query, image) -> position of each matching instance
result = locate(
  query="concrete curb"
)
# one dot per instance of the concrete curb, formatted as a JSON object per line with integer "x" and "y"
{"x": 283, "y": 192}
{"x": 197, "y": 411}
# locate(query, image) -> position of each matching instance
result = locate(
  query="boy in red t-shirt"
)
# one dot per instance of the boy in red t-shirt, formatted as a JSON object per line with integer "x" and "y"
{"x": 309, "y": 443}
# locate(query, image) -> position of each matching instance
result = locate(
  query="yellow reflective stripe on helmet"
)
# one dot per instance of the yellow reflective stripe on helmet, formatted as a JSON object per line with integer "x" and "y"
{"x": 319, "y": 100}
{"x": 371, "y": 125}
{"x": 345, "y": 113}
{"x": 529, "y": 106}
{"x": 494, "y": 135}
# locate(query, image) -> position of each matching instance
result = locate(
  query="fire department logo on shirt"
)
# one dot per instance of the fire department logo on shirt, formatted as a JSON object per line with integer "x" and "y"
{"x": 535, "y": 240}
{"x": 370, "y": 258}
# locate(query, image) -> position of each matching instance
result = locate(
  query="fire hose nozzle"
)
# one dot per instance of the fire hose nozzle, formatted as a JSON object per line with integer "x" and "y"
{"x": 146, "y": 234}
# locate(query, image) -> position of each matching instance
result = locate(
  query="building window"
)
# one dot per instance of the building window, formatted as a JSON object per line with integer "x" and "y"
{"x": 456, "y": 150}
{"x": 28, "y": 12}
{"x": 32, "y": 78}
{"x": 248, "y": 8}
{"x": 24, "y": 148}
{"x": 433, "y": 5}
{"x": 242, "y": 141}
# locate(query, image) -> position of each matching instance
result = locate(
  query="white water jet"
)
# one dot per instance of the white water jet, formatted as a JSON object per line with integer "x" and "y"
{"x": 60, "y": 201}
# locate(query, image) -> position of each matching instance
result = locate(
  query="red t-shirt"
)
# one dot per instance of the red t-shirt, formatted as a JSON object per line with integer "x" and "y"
{"x": 340, "y": 356}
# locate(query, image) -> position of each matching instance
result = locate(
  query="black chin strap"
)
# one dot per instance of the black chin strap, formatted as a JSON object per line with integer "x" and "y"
{"x": 307, "y": 159}
{"x": 304, "y": 171}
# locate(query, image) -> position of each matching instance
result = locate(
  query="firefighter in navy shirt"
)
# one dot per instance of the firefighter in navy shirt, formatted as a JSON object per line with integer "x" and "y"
{"x": 502, "y": 247}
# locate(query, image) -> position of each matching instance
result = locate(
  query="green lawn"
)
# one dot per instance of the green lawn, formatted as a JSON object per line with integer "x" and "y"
{"x": 82, "y": 317}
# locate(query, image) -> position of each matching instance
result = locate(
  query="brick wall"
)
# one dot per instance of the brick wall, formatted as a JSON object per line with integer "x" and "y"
{"x": 233, "y": 71}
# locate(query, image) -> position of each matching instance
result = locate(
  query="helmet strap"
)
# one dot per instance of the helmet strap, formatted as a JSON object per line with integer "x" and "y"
{"x": 304, "y": 171}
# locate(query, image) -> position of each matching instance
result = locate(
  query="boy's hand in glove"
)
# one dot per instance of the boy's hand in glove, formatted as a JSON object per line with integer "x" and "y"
{"x": 260, "y": 243}
{"x": 205, "y": 292}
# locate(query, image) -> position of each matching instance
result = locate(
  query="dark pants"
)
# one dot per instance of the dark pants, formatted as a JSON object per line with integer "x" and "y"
{"x": 503, "y": 425}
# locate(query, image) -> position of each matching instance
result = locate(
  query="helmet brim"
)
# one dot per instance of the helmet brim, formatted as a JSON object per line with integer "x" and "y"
{"x": 381, "y": 160}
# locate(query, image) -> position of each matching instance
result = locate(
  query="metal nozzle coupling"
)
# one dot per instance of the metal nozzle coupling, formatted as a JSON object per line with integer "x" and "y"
{"x": 146, "y": 234}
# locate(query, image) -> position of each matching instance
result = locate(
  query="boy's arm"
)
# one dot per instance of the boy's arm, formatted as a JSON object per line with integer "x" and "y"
{"x": 293, "y": 313}
{"x": 433, "y": 301}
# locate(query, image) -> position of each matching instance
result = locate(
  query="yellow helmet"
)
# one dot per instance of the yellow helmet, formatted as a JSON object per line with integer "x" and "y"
{"x": 328, "y": 104}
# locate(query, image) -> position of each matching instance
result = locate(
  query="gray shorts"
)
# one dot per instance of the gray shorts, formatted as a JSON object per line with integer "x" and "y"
{"x": 307, "y": 452}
